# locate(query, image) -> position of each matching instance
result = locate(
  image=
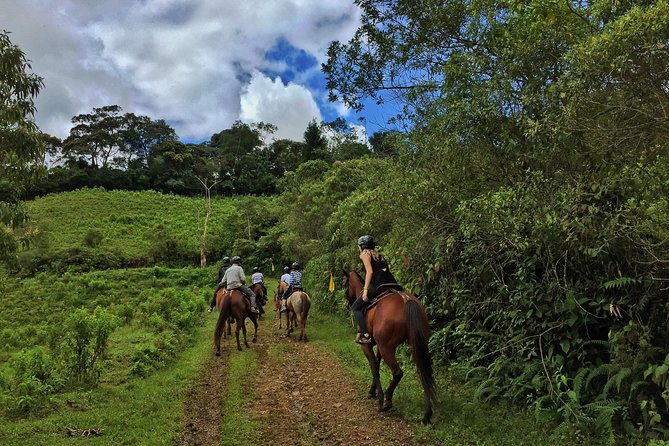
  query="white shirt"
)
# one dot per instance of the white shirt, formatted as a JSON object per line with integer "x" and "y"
{"x": 285, "y": 278}
{"x": 256, "y": 278}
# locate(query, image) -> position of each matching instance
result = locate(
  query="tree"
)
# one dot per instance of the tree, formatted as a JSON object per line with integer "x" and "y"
{"x": 21, "y": 145}
{"x": 107, "y": 138}
{"x": 315, "y": 144}
{"x": 207, "y": 184}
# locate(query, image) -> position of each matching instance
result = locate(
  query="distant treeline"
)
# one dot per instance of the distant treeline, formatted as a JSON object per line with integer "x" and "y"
{"x": 122, "y": 151}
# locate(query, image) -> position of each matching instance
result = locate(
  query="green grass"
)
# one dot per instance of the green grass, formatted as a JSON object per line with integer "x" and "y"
{"x": 136, "y": 228}
{"x": 458, "y": 418}
{"x": 238, "y": 428}
{"x": 141, "y": 412}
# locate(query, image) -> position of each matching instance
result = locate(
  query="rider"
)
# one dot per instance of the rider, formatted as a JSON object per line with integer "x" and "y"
{"x": 234, "y": 278}
{"x": 257, "y": 277}
{"x": 294, "y": 281}
{"x": 377, "y": 274}
{"x": 285, "y": 277}
{"x": 221, "y": 273}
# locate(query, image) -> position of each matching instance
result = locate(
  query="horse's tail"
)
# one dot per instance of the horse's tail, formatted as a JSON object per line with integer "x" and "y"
{"x": 223, "y": 316}
{"x": 418, "y": 338}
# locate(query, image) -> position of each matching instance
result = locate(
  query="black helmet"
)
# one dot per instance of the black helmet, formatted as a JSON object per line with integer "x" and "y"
{"x": 226, "y": 261}
{"x": 286, "y": 269}
{"x": 256, "y": 269}
{"x": 237, "y": 260}
{"x": 296, "y": 265}
{"x": 366, "y": 242}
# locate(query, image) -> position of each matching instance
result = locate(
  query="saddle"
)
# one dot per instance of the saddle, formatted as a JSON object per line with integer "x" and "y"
{"x": 384, "y": 291}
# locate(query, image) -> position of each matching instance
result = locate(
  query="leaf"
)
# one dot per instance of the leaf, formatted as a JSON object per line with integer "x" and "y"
{"x": 565, "y": 344}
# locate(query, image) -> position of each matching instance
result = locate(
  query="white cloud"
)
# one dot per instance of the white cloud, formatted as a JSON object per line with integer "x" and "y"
{"x": 188, "y": 62}
{"x": 289, "y": 107}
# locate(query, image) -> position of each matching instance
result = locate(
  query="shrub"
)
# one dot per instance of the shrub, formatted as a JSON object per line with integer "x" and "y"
{"x": 85, "y": 341}
{"x": 93, "y": 238}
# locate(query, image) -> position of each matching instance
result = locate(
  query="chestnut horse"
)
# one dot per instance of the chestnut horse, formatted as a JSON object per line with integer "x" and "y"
{"x": 220, "y": 295}
{"x": 396, "y": 318}
{"x": 281, "y": 288}
{"x": 236, "y": 305}
{"x": 261, "y": 297}
{"x": 297, "y": 310}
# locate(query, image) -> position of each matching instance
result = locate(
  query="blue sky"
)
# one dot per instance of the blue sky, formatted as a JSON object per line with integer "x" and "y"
{"x": 199, "y": 64}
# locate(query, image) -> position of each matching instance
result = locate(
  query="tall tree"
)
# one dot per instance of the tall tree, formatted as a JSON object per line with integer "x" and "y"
{"x": 315, "y": 144}
{"x": 21, "y": 146}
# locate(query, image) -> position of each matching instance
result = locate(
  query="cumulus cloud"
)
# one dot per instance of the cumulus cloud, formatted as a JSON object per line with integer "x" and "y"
{"x": 289, "y": 107}
{"x": 196, "y": 64}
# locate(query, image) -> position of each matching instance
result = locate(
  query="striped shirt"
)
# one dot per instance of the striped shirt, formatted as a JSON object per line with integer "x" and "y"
{"x": 295, "y": 278}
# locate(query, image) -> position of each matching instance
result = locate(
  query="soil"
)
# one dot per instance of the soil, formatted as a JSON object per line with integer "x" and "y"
{"x": 302, "y": 396}
{"x": 204, "y": 403}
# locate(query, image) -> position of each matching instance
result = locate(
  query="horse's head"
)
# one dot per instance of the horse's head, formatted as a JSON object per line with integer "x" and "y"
{"x": 352, "y": 284}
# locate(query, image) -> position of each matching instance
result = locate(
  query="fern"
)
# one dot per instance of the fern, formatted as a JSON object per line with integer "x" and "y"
{"x": 619, "y": 283}
{"x": 578, "y": 382}
{"x": 616, "y": 380}
{"x": 487, "y": 389}
{"x": 597, "y": 372}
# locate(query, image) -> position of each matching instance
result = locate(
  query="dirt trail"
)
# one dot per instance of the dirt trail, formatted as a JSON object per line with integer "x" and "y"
{"x": 204, "y": 403}
{"x": 302, "y": 396}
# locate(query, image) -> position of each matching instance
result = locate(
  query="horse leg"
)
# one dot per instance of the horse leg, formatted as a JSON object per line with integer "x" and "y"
{"x": 243, "y": 322}
{"x": 229, "y": 327}
{"x": 389, "y": 358}
{"x": 372, "y": 388}
{"x": 237, "y": 328}
{"x": 376, "y": 378}
{"x": 255, "y": 333}
{"x": 304, "y": 329}
{"x": 288, "y": 327}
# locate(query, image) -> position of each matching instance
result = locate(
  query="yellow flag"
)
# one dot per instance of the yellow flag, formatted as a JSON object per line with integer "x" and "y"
{"x": 331, "y": 287}
{"x": 272, "y": 262}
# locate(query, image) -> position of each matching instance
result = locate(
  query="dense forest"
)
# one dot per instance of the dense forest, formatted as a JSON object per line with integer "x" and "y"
{"x": 526, "y": 205}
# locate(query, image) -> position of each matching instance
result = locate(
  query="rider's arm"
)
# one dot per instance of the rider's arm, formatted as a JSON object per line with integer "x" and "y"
{"x": 367, "y": 261}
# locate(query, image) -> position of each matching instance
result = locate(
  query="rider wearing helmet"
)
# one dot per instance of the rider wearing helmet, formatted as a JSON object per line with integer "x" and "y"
{"x": 257, "y": 277}
{"x": 294, "y": 281}
{"x": 377, "y": 274}
{"x": 285, "y": 277}
{"x": 221, "y": 273}
{"x": 234, "y": 278}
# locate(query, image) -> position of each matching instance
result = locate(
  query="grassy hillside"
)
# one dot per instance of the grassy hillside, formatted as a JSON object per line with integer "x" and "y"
{"x": 92, "y": 229}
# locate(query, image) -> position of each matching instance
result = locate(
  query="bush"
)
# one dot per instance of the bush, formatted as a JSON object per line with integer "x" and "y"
{"x": 85, "y": 342}
{"x": 93, "y": 238}
{"x": 33, "y": 377}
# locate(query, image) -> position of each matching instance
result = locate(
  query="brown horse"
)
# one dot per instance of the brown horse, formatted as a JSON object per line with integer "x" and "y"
{"x": 281, "y": 288}
{"x": 220, "y": 295}
{"x": 261, "y": 296}
{"x": 396, "y": 318}
{"x": 237, "y": 306}
{"x": 297, "y": 310}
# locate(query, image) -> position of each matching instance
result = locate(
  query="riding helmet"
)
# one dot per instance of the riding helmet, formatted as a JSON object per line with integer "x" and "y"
{"x": 286, "y": 269}
{"x": 256, "y": 269}
{"x": 236, "y": 260}
{"x": 296, "y": 265}
{"x": 226, "y": 261}
{"x": 366, "y": 242}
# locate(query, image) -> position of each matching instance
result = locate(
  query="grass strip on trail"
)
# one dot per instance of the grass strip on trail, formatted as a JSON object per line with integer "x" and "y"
{"x": 238, "y": 426}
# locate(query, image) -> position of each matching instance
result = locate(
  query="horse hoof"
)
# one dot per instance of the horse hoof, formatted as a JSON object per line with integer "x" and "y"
{"x": 254, "y": 340}
{"x": 218, "y": 353}
{"x": 386, "y": 408}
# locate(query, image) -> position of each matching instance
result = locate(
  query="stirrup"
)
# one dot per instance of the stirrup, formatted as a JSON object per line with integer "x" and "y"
{"x": 366, "y": 339}
{"x": 255, "y": 310}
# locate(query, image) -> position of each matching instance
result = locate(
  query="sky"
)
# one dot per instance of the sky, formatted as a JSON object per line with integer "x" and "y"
{"x": 198, "y": 64}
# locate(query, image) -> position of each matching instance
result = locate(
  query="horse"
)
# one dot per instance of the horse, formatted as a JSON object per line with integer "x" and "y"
{"x": 297, "y": 310}
{"x": 220, "y": 295}
{"x": 261, "y": 296}
{"x": 396, "y": 318}
{"x": 236, "y": 305}
{"x": 281, "y": 288}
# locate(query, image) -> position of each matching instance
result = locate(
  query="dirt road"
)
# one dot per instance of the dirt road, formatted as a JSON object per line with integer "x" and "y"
{"x": 302, "y": 396}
